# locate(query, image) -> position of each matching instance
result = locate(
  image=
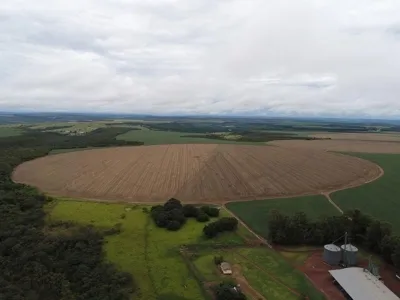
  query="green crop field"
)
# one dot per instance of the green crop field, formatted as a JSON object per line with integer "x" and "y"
{"x": 6, "y": 131}
{"x": 149, "y": 253}
{"x": 381, "y": 198}
{"x": 154, "y": 137}
{"x": 265, "y": 270}
{"x": 255, "y": 213}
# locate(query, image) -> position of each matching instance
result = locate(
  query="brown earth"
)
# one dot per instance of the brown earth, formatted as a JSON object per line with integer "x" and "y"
{"x": 394, "y": 137}
{"x": 193, "y": 173}
{"x": 318, "y": 272}
{"x": 385, "y": 147}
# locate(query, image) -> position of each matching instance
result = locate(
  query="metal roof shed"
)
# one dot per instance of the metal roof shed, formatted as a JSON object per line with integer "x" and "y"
{"x": 360, "y": 284}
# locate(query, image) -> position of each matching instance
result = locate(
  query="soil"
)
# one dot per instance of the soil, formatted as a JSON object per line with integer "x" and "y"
{"x": 385, "y": 147}
{"x": 317, "y": 272}
{"x": 194, "y": 173}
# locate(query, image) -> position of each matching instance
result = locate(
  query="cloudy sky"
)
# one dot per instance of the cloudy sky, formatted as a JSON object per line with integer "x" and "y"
{"x": 264, "y": 57}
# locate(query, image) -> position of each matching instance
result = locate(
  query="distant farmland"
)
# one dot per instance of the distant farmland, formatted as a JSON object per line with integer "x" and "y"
{"x": 193, "y": 173}
{"x": 155, "y": 137}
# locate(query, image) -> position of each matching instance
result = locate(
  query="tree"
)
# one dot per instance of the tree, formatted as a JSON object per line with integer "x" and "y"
{"x": 388, "y": 247}
{"x": 172, "y": 204}
{"x": 359, "y": 224}
{"x": 228, "y": 291}
{"x": 375, "y": 233}
{"x": 202, "y": 217}
{"x": 277, "y": 224}
{"x": 173, "y": 225}
{"x": 396, "y": 257}
{"x": 190, "y": 211}
{"x": 213, "y": 212}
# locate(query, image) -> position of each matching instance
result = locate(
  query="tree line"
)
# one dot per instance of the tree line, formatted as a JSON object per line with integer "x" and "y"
{"x": 46, "y": 261}
{"x": 173, "y": 215}
{"x": 363, "y": 230}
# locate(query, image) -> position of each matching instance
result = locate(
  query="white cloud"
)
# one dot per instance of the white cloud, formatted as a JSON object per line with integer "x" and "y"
{"x": 306, "y": 57}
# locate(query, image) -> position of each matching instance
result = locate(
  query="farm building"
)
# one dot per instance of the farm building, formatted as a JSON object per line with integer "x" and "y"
{"x": 225, "y": 268}
{"x": 360, "y": 284}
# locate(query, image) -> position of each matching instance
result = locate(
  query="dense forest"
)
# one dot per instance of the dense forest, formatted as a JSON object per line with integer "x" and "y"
{"x": 364, "y": 231}
{"x": 51, "y": 261}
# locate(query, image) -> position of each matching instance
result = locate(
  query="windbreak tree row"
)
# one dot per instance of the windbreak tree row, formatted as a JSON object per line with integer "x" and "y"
{"x": 363, "y": 230}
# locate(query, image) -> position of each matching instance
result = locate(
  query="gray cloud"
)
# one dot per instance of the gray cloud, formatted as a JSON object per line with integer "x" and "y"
{"x": 307, "y": 57}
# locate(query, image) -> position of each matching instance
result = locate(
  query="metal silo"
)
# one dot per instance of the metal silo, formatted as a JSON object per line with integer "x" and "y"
{"x": 332, "y": 254}
{"x": 349, "y": 254}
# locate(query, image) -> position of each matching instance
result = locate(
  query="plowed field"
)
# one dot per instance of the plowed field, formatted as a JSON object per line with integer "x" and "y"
{"x": 193, "y": 173}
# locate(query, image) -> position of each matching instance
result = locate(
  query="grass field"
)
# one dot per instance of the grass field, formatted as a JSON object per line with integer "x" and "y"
{"x": 153, "y": 137}
{"x": 149, "y": 253}
{"x": 6, "y": 131}
{"x": 265, "y": 270}
{"x": 380, "y": 198}
{"x": 255, "y": 213}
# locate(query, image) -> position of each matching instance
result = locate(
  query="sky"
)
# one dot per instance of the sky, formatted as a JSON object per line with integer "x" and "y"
{"x": 244, "y": 57}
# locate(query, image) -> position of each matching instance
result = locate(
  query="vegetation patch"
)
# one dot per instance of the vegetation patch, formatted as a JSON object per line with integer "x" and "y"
{"x": 264, "y": 269}
{"x": 149, "y": 253}
{"x": 59, "y": 261}
{"x": 173, "y": 215}
{"x": 363, "y": 230}
{"x": 255, "y": 213}
{"x": 379, "y": 198}
{"x": 6, "y": 131}
{"x": 211, "y": 230}
{"x": 157, "y": 137}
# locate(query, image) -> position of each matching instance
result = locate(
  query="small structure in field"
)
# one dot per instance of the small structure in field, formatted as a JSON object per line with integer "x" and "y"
{"x": 225, "y": 268}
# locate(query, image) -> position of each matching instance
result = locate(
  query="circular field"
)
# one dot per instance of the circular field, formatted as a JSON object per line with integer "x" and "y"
{"x": 193, "y": 173}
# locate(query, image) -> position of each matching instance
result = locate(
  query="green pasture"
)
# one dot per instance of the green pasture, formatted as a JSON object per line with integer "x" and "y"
{"x": 155, "y": 137}
{"x": 149, "y": 253}
{"x": 255, "y": 213}
{"x": 7, "y": 131}
{"x": 264, "y": 269}
{"x": 380, "y": 198}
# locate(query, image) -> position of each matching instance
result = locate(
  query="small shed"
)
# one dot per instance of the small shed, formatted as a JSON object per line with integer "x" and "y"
{"x": 225, "y": 268}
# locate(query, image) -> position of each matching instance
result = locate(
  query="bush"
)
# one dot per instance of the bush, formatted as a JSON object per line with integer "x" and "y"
{"x": 218, "y": 260}
{"x": 172, "y": 204}
{"x": 174, "y": 225}
{"x": 213, "y": 212}
{"x": 228, "y": 291}
{"x": 202, "y": 217}
{"x": 224, "y": 224}
{"x": 190, "y": 211}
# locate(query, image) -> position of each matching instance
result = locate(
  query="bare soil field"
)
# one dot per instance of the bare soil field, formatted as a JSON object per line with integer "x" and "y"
{"x": 193, "y": 173}
{"x": 393, "y": 137}
{"x": 385, "y": 147}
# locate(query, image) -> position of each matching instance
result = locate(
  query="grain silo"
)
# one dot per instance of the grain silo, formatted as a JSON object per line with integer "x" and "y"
{"x": 349, "y": 254}
{"x": 332, "y": 254}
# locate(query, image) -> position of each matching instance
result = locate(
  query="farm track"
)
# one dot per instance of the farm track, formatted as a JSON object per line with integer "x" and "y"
{"x": 195, "y": 173}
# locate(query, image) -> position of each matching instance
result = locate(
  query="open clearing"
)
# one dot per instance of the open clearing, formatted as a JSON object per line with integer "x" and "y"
{"x": 342, "y": 145}
{"x": 380, "y": 198}
{"x": 193, "y": 173}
